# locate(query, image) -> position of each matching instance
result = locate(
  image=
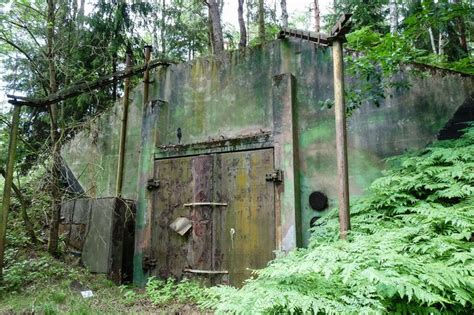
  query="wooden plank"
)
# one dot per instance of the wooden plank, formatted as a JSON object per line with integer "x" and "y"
{"x": 341, "y": 139}
{"x": 206, "y": 272}
{"x": 200, "y": 204}
{"x": 123, "y": 131}
{"x": 339, "y": 30}
{"x": 146, "y": 75}
{"x": 318, "y": 38}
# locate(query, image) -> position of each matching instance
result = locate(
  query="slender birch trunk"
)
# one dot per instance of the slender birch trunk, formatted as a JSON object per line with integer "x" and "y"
{"x": 393, "y": 9}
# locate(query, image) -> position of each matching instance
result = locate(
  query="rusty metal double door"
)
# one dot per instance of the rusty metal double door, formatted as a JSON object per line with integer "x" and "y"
{"x": 231, "y": 210}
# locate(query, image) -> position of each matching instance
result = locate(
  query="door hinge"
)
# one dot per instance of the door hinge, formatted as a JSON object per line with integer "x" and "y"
{"x": 275, "y": 176}
{"x": 152, "y": 184}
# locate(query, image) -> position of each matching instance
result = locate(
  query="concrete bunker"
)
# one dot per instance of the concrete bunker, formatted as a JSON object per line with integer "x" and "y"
{"x": 231, "y": 149}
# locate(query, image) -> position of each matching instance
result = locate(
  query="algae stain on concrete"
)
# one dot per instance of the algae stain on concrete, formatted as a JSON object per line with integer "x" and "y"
{"x": 323, "y": 131}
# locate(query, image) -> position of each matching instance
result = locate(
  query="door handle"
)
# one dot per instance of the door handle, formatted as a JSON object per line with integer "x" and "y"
{"x": 232, "y": 236}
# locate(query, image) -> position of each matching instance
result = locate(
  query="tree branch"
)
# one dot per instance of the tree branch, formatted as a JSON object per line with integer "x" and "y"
{"x": 29, "y": 32}
{"x": 31, "y": 8}
{"x": 24, "y": 53}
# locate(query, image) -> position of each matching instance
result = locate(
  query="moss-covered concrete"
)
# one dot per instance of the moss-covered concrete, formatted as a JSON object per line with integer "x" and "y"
{"x": 221, "y": 101}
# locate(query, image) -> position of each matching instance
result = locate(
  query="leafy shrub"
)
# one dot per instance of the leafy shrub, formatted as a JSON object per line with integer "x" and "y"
{"x": 58, "y": 297}
{"x": 36, "y": 270}
{"x": 164, "y": 292}
{"x": 375, "y": 60}
{"x": 410, "y": 249}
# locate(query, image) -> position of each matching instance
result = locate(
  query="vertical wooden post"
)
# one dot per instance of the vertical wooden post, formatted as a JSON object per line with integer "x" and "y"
{"x": 8, "y": 184}
{"x": 123, "y": 129}
{"x": 341, "y": 139}
{"x": 146, "y": 74}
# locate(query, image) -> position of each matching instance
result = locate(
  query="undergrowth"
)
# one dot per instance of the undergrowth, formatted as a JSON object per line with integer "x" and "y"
{"x": 410, "y": 250}
{"x": 162, "y": 292}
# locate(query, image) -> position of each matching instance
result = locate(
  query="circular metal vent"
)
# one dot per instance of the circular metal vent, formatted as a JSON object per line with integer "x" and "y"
{"x": 318, "y": 201}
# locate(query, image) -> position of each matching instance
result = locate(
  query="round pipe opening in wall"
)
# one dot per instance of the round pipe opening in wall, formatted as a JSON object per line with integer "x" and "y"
{"x": 318, "y": 201}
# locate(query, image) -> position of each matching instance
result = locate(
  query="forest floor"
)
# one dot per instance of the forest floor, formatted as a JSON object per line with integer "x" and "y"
{"x": 55, "y": 286}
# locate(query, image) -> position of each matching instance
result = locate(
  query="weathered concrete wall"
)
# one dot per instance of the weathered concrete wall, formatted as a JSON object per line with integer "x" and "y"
{"x": 93, "y": 154}
{"x": 245, "y": 94}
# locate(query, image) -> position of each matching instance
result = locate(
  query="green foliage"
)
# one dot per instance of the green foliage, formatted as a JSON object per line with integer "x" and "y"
{"x": 21, "y": 273}
{"x": 374, "y": 62}
{"x": 365, "y": 13}
{"x": 166, "y": 292}
{"x": 410, "y": 249}
{"x": 435, "y": 33}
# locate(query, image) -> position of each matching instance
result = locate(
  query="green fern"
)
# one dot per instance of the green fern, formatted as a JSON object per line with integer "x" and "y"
{"x": 409, "y": 252}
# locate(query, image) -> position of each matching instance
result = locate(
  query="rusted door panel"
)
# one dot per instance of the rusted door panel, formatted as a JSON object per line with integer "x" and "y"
{"x": 182, "y": 180}
{"x": 169, "y": 249}
{"x": 200, "y": 253}
{"x": 246, "y": 228}
{"x": 237, "y": 179}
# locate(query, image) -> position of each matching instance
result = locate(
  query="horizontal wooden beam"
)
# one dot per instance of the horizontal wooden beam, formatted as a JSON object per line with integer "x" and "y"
{"x": 84, "y": 87}
{"x": 318, "y": 38}
{"x": 209, "y": 272}
{"x": 340, "y": 29}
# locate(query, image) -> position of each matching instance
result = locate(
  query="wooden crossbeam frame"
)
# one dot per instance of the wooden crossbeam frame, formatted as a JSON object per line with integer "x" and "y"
{"x": 84, "y": 87}
{"x": 338, "y": 32}
{"x": 318, "y": 38}
{"x": 336, "y": 40}
{"x": 342, "y": 26}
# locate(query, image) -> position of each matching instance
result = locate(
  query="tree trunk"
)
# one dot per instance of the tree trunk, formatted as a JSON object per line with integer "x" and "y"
{"x": 81, "y": 8}
{"x": 441, "y": 44}
{"x": 5, "y": 206}
{"x": 284, "y": 14}
{"x": 162, "y": 28}
{"x": 74, "y": 10}
{"x": 317, "y": 17}
{"x": 80, "y": 15}
{"x": 243, "y": 30}
{"x": 432, "y": 40}
{"x": 55, "y": 135}
{"x": 393, "y": 8}
{"x": 24, "y": 214}
{"x": 461, "y": 28}
{"x": 249, "y": 11}
{"x": 261, "y": 21}
{"x": 216, "y": 27}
